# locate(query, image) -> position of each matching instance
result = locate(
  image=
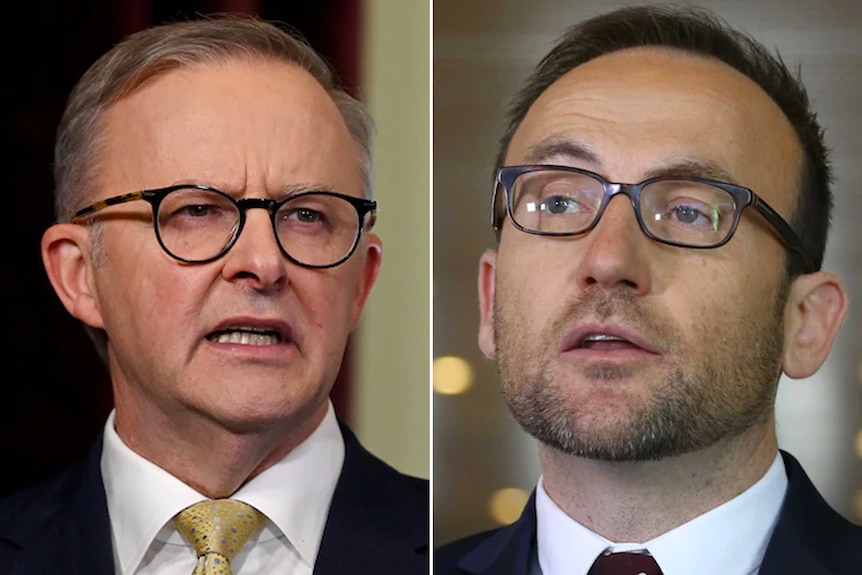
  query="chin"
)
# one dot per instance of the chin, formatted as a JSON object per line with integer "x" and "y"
{"x": 261, "y": 414}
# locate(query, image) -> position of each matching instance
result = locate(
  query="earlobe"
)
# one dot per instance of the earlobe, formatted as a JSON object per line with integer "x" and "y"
{"x": 371, "y": 267}
{"x": 66, "y": 256}
{"x": 486, "y": 284}
{"x": 817, "y": 307}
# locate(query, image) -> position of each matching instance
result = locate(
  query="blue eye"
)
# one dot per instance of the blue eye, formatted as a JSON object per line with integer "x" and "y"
{"x": 562, "y": 205}
{"x": 696, "y": 215}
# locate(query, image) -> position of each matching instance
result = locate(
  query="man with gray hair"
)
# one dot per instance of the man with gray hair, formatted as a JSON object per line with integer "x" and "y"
{"x": 214, "y": 204}
{"x": 661, "y": 204}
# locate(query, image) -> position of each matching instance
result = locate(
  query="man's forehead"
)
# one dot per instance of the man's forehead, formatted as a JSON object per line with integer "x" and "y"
{"x": 238, "y": 124}
{"x": 570, "y": 151}
{"x": 636, "y": 75}
{"x": 660, "y": 101}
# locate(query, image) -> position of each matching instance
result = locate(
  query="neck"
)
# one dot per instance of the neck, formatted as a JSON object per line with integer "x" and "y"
{"x": 213, "y": 458}
{"x": 638, "y": 501}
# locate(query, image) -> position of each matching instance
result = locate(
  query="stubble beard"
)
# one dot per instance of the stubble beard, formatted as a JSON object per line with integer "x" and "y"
{"x": 718, "y": 388}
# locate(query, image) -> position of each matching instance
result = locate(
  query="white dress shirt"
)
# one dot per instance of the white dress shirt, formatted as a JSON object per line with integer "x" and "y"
{"x": 728, "y": 540}
{"x": 294, "y": 494}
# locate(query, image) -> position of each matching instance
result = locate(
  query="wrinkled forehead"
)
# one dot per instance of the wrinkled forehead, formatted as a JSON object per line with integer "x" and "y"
{"x": 236, "y": 124}
{"x": 636, "y": 109}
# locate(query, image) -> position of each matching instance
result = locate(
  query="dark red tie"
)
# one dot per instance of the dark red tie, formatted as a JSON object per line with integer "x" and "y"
{"x": 625, "y": 564}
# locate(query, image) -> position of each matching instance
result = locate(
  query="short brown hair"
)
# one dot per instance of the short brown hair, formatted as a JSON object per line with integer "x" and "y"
{"x": 700, "y": 31}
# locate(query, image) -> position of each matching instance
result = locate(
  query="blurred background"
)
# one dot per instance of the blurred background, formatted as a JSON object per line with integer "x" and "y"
{"x": 56, "y": 393}
{"x": 484, "y": 465}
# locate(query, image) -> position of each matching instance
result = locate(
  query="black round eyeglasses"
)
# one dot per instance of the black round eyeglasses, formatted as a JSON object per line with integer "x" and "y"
{"x": 199, "y": 224}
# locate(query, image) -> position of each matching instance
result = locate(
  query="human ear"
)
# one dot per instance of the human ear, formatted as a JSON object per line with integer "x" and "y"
{"x": 816, "y": 309}
{"x": 372, "y": 259}
{"x": 67, "y": 257}
{"x": 487, "y": 278}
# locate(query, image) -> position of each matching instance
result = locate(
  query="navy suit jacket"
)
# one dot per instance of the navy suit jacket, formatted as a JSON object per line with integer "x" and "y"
{"x": 810, "y": 538}
{"x": 377, "y": 524}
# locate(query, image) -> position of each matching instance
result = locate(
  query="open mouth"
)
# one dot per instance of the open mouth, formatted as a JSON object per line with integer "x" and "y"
{"x": 246, "y": 336}
{"x": 604, "y": 341}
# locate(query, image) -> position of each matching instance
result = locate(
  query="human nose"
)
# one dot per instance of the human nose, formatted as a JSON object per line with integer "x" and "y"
{"x": 256, "y": 257}
{"x": 614, "y": 255}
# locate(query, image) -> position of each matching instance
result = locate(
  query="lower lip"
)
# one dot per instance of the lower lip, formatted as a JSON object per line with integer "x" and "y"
{"x": 609, "y": 352}
{"x": 278, "y": 351}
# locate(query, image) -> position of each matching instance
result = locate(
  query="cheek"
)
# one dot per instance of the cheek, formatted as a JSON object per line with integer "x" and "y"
{"x": 150, "y": 298}
{"x": 324, "y": 321}
{"x": 326, "y": 298}
{"x": 717, "y": 303}
{"x": 530, "y": 288}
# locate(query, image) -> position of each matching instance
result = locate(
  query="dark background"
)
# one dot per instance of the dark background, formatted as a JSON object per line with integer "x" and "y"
{"x": 56, "y": 392}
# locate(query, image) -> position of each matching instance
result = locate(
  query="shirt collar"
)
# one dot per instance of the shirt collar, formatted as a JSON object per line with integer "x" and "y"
{"x": 294, "y": 494}
{"x": 743, "y": 525}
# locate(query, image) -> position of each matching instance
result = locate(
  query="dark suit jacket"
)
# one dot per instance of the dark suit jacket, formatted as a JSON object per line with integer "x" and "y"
{"x": 377, "y": 524}
{"x": 809, "y": 539}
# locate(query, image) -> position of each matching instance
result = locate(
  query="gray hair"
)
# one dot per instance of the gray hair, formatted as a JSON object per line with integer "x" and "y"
{"x": 157, "y": 50}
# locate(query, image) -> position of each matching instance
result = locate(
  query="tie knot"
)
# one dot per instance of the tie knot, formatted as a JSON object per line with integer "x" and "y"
{"x": 625, "y": 564}
{"x": 219, "y": 526}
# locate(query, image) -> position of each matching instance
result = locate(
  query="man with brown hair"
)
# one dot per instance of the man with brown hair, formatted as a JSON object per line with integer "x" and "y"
{"x": 661, "y": 206}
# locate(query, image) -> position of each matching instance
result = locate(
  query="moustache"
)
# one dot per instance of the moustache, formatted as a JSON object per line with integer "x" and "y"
{"x": 619, "y": 307}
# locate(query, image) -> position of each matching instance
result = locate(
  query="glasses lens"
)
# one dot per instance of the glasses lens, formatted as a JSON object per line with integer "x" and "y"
{"x": 688, "y": 213}
{"x": 555, "y": 201}
{"x": 196, "y": 225}
{"x": 317, "y": 229}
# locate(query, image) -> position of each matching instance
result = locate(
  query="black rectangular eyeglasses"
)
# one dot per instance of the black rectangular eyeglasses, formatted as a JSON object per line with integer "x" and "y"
{"x": 688, "y": 212}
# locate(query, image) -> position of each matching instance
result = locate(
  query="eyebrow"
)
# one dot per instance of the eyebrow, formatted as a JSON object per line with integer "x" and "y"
{"x": 687, "y": 167}
{"x": 555, "y": 147}
{"x": 681, "y": 167}
{"x": 294, "y": 189}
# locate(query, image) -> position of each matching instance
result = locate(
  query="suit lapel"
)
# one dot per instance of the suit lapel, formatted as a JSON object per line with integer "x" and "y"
{"x": 372, "y": 525}
{"x": 509, "y": 550}
{"x": 787, "y": 555}
{"x": 810, "y": 538}
{"x": 88, "y": 529}
{"x": 67, "y": 530}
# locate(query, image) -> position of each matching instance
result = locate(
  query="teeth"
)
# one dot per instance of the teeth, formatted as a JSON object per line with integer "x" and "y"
{"x": 603, "y": 337}
{"x": 247, "y": 338}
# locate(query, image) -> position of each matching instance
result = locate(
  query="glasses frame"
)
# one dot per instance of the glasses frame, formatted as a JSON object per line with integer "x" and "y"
{"x": 363, "y": 207}
{"x": 742, "y": 198}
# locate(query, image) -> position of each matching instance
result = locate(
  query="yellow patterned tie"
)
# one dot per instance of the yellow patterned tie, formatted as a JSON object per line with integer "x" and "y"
{"x": 218, "y": 529}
